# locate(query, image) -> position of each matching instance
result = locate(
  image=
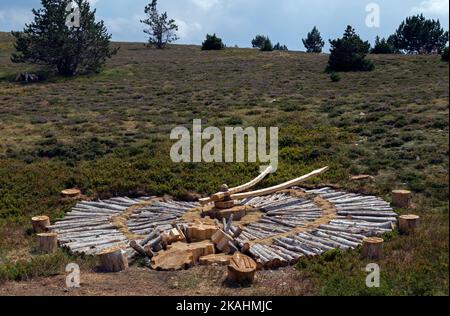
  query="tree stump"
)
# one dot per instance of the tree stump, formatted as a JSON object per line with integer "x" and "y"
{"x": 408, "y": 223}
{"x": 70, "y": 193}
{"x": 401, "y": 198}
{"x": 113, "y": 260}
{"x": 372, "y": 247}
{"x": 47, "y": 242}
{"x": 40, "y": 224}
{"x": 242, "y": 269}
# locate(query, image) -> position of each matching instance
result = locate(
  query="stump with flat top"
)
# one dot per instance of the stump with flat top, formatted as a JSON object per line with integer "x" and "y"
{"x": 408, "y": 223}
{"x": 372, "y": 247}
{"x": 241, "y": 269}
{"x": 113, "y": 260}
{"x": 40, "y": 224}
{"x": 47, "y": 242}
{"x": 71, "y": 193}
{"x": 401, "y": 198}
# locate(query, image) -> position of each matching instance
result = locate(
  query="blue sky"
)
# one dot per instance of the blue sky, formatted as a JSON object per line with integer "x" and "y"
{"x": 237, "y": 21}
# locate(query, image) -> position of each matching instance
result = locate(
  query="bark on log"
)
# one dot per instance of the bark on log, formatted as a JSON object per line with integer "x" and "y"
{"x": 372, "y": 248}
{"x": 408, "y": 224}
{"x": 113, "y": 260}
{"x": 40, "y": 224}
{"x": 47, "y": 242}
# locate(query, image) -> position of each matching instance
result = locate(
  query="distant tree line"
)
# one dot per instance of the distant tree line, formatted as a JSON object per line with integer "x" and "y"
{"x": 71, "y": 49}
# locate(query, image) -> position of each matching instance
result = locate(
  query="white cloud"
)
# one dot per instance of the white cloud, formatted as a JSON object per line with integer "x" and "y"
{"x": 436, "y": 7}
{"x": 205, "y": 4}
{"x": 188, "y": 30}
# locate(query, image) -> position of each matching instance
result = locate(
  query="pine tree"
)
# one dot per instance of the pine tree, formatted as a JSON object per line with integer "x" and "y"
{"x": 212, "y": 42}
{"x": 349, "y": 53}
{"x": 258, "y": 41}
{"x": 161, "y": 29}
{"x": 267, "y": 45}
{"x": 418, "y": 35}
{"x": 382, "y": 46}
{"x": 70, "y": 49}
{"x": 313, "y": 41}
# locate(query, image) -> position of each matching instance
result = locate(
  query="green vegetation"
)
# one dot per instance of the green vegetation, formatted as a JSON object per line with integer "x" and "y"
{"x": 267, "y": 46}
{"x": 84, "y": 47}
{"x": 417, "y": 35}
{"x": 313, "y": 41}
{"x": 161, "y": 30}
{"x": 445, "y": 56}
{"x": 258, "y": 41}
{"x": 382, "y": 46}
{"x": 335, "y": 77}
{"x": 108, "y": 134}
{"x": 280, "y": 47}
{"x": 349, "y": 53}
{"x": 212, "y": 42}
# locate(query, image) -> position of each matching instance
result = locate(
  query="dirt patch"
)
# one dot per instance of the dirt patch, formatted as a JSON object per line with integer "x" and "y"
{"x": 204, "y": 281}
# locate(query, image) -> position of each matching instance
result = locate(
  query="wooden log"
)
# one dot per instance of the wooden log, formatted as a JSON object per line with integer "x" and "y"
{"x": 222, "y": 240}
{"x": 215, "y": 260}
{"x": 408, "y": 224}
{"x": 223, "y": 205}
{"x": 372, "y": 247}
{"x": 47, "y": 242}
{"x": 143, "y": 251}
{"x": 401, "y": 198}
{"x": 242, "y": 269}
{"x": 113, "y": 260}
{"x": 40, "y": 224}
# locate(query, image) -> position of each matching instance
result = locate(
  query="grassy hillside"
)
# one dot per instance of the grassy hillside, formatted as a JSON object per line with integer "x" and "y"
{"x": 108, "y": 134}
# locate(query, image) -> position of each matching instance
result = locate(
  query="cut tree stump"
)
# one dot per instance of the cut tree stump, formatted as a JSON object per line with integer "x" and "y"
{"x": 220, "y": 259}
{"x": 40, "y": 224}
{"x": 71, "y": 193}
{"x": 47, "y": 242}
{"x": 408, "y": 223}
{"x": 242, "y": 269}
{"x": 401, "y": 198}
{"x": 372, "y": 247}
{"x": 113, "y": 260}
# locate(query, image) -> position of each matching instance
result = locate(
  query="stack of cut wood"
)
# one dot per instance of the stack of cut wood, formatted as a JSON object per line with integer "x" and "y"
{"x": 225, "y": 239}
{"x": 87, "y": 228}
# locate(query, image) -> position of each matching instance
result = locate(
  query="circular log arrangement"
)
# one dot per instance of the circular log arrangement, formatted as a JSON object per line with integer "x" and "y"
{"x": 282, "y": 228}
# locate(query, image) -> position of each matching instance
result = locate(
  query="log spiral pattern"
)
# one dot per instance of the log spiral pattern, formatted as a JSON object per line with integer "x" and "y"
{"x": 290, "y": 227}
